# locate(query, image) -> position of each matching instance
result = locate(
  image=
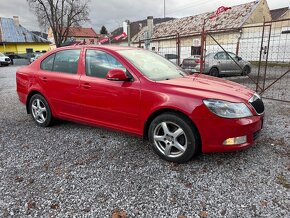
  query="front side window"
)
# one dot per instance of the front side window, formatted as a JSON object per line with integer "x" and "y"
{"x": 232, "y": 55}
{"x": 98, "y": 63}
{"x": 221, "y": 56}
{"x": 66, "y": 61}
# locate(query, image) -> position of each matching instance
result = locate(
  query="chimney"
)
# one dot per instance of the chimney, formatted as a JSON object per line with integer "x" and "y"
{"x": 125, "y": 26}
{"x": 16, "y": 20}
{"x": 150, "y": 26}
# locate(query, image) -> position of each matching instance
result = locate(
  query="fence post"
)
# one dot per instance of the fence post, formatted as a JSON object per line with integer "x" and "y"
{"x": 267, "y": 55}
{"x": 178, "y": 48}
{"x": 260, "y": 58}
{"x": 202, "y": 48}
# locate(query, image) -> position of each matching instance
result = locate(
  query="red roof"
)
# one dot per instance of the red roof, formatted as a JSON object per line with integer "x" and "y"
{"x": 82, "y": 32}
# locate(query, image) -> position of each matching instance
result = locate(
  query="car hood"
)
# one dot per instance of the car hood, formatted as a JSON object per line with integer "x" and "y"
{"x": 210, "y": 87}
{"x": 3, "y": 57}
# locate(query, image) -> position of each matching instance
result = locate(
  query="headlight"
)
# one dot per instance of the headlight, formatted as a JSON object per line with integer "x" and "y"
{"x": 227, "y": 109}
{"x": 254, "y": 98}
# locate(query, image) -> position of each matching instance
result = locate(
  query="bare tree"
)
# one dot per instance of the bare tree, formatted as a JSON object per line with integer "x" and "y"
{"x": 60, "y": 15}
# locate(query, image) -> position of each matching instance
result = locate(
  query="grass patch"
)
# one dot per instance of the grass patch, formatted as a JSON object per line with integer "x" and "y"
{"x": 271, "y": 64}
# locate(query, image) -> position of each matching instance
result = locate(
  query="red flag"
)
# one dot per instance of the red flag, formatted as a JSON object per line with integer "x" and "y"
{"x": 123, "y": 35}
{"x": 220, "y": 10}
{"x": 104, "y": 40}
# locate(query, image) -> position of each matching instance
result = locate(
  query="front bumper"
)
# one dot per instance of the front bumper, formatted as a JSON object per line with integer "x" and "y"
{"x": 216, "y": 130}
{"x": 5, "y": 62}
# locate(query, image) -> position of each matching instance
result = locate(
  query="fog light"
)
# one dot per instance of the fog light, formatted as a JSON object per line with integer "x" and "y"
{"x": 235, "y": 141}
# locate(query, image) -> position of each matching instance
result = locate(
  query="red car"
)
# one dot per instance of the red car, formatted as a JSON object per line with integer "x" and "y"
{"x": 140, "y": 92}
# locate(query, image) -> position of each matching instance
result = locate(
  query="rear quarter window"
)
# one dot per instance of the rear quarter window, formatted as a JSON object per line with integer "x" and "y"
{"x": 47, "y": 63}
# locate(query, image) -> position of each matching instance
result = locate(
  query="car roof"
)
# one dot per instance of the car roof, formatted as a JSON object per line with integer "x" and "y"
{"x": 106, "y": 47}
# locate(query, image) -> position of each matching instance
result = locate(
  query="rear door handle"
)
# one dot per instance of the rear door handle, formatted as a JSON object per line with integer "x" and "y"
{"x": 86, "y": 85}
{"x": 43, "y": 78}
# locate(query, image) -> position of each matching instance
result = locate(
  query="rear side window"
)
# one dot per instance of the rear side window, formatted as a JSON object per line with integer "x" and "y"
{"x": 63, "y": 61}
{"x": 47, "y": 63}
{"x": 66, "y": 61}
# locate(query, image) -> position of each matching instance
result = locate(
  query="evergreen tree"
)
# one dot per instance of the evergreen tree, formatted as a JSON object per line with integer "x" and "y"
{"x": 104, "y": 30}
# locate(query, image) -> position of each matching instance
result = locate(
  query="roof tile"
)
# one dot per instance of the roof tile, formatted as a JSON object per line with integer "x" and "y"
{"x": 82, "y": 32}
{"x": 233, "y": 18}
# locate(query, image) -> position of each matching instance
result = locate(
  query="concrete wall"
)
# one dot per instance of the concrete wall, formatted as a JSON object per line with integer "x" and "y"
{"x": 261, "y": 12}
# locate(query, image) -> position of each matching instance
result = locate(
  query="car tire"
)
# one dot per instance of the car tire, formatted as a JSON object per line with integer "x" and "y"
{"x": 40, "y": 111}
{"x": 214, "y": 72}
{"x": 246, "y": 71}
{"x": 173, "y": 137}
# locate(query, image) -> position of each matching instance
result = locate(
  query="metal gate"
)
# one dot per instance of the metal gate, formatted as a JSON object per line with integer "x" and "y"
{"x": 265, "y": 46}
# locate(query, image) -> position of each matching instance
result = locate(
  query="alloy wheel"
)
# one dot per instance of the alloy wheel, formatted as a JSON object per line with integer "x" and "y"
{"x": 39, "y": 111}
{"x": 170, "y": 139}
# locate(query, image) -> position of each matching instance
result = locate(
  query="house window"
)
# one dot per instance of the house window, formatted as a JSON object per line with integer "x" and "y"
{"x": 29, "y": 50}
{"x": 195, "y": 50}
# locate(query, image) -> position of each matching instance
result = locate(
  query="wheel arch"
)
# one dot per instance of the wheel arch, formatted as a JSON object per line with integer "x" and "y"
{"x": 214, "y": 67}
{"x": 249, "y": 66}
{"x": 31, "y": 93}
{"x": 174, "y": 111}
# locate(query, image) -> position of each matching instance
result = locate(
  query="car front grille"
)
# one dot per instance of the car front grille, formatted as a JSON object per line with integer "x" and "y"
{"x": 257, "y": 104}
{"x": 7, "y": 59}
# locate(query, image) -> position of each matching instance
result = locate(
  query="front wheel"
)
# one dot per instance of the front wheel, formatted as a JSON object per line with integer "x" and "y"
{"x": 173, "y": 137}
{"x": 246, "y": 71}
{"x": 40, "y": 110}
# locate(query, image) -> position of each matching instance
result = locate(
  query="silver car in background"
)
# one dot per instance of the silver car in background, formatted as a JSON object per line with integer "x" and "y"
{"x": 190, "y": 63}
{"x": 221, "y": 63}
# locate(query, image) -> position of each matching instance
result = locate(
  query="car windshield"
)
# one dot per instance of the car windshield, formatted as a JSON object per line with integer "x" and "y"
{"x": 1, "y": 55}
{"x": 152, "y": 65}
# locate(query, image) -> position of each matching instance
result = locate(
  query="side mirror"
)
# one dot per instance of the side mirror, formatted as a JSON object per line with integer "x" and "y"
{"x": 239, "y": 58}
{"x": 117, "y": 75}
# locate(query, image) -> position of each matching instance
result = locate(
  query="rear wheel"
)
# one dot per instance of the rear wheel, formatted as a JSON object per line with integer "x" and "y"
{"x": 214, "y": 72}
{"x": 246, "y": 71}
{"x": 173, "y": 137}
{"x": 40, "y": 110}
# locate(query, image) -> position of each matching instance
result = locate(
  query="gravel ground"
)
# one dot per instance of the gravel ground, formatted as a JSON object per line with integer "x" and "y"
{"x": 72, "y": 170}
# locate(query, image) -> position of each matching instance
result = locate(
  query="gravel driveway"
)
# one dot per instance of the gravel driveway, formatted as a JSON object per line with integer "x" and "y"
{"x": 75, "y": 170}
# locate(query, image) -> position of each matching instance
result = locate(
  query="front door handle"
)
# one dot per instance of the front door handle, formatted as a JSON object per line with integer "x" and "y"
{"x": 86, "y": 86}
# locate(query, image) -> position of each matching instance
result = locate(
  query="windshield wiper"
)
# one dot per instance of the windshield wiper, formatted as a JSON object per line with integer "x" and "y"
{"x": 181, "y": 74}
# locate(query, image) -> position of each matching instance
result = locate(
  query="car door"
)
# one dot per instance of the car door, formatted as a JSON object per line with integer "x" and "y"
{"x": 59, "y": 78}
{"x": 221, "y": 61}
{"x": 110, "y": 103}
{"x": 234, "y": 65}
